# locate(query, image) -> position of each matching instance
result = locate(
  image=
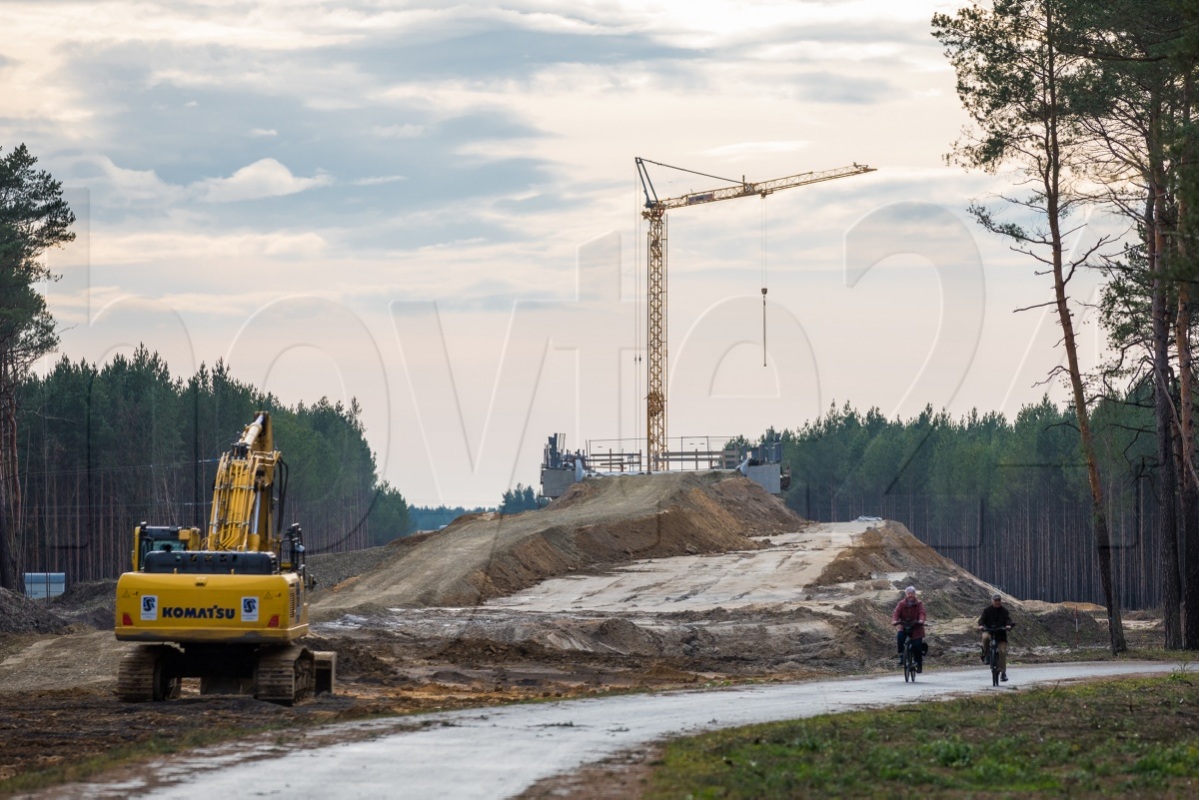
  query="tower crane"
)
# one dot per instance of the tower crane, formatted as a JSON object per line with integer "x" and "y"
{"x": 655, "y": 212}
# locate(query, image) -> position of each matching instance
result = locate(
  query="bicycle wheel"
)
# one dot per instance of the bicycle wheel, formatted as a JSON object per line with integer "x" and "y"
{"x": 909, "y": 665}
{"x": 994, "y": 665}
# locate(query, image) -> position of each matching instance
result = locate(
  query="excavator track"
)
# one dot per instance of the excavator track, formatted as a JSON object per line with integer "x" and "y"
{"x": 285, "y": 676}
{"x": 143, "y": 677}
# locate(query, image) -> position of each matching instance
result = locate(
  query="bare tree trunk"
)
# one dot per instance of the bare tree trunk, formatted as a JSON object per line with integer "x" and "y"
{"x": 8, "y": 573}
{"x": 1190, "y": 555}
{"x": 9, "y": 497}
{"x": 1052, "y": 180}
{"x": 1189, "y": 489}
{"x": 1186, "y": 423}
{"x": 1164, "y": 420}
{"x": 1103, "y": 545}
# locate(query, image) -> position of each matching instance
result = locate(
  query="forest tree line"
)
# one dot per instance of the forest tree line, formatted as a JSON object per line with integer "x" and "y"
{"x": 104, "y": 448}
{"x": 1008, "y": 500}
{"x": 1082, "y": 105}
{"x": 1088, "y": 106}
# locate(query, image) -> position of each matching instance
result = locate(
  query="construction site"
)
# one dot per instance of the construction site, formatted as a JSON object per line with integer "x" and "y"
{"x": 648, "y": 570}
{"x": 676, "y": 580}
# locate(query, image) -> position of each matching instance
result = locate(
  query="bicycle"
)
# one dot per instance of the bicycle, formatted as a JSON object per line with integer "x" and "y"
{"x": 910, "y": 662}
{"x": 993, "y": 653}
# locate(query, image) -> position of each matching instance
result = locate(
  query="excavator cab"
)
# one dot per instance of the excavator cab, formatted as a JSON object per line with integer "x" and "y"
{"x": 162, "y": 539}
{"x": 170, "y": 562}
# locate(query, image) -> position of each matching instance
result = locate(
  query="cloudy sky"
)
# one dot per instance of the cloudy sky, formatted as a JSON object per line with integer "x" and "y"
{"x": 434, "y": 208}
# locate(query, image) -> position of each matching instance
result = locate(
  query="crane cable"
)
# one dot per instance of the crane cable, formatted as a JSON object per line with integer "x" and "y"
{"x": 693, "y": 172}
{"x": 764, "y": 249}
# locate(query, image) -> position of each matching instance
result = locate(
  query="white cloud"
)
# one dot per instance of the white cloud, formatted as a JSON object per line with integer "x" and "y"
{"x": 398, "y": 131}
{"x": 121, "y": 188}
{"x": 714, "y": 23}
{"x": 263, "y": 132}
{"x": 133, "y": 246}
{"x": 744, "y": 149}
{"x": 379, "y": 180}
{"x": 264, "y": 178}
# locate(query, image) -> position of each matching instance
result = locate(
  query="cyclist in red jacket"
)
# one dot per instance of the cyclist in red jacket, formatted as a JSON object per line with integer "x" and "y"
{"x": 909, "y": 615}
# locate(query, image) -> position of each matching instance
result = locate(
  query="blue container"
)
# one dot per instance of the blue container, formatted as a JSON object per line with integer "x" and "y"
{"x": 44, "y": 585}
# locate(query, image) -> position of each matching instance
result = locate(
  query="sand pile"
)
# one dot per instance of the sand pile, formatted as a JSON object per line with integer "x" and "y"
{"x": 92, "y": 604}
{"x": 819, "y": 596}
{"x": 599, "y": 523}
{"x": 884, "y": 549}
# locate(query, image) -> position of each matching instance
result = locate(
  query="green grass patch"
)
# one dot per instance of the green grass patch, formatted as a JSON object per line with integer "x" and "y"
{"x": 1133, "y": 737}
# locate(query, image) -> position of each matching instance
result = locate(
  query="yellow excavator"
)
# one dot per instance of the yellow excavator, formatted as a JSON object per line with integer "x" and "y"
{"x": 229, "y": 605}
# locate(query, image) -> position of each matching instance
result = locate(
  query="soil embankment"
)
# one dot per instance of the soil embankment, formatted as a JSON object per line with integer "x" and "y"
{"x": 599, "y": 523}
{"x": 699, "y": 574}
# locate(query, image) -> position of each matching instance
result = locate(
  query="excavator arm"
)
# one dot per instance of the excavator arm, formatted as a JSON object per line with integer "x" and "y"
{"x": 242, "y": 515}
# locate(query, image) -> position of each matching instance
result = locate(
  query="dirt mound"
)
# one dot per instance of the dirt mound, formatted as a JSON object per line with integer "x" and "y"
{"x": 890, "y": 552}
{"x": 598, "y": 523}
{"x": 92, "y": 604}
{"x": 19, "y": 614}
{"x": 354, "y": 659}
{"x": 819, "y": 597}
{"x": 332, "y": 569}
{"x": 888, "y": 548}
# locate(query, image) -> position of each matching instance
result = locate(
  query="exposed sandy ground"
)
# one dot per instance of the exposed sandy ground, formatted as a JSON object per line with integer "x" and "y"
{"x": 597, "y": 523}
{"x": 664, "y": 581}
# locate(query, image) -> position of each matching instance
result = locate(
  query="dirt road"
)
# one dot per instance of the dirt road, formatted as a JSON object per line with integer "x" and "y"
{"x": 498, "y": 753}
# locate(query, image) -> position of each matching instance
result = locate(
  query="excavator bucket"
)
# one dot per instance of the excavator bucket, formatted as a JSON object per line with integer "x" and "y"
{"x": 326, "y": 672}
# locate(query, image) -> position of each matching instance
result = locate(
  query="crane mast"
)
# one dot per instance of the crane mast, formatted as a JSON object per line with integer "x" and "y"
{"x": 655, "y": 214}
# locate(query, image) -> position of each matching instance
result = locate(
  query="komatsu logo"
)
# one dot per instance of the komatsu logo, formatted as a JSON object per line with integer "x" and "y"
{"x": 184, "y": 612}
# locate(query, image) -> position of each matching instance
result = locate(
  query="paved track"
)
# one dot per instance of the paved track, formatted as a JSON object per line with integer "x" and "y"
{"x": 496, "y": 753}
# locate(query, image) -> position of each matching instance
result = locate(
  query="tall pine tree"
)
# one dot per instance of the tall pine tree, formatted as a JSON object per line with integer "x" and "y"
{"x": 33, "y": 218}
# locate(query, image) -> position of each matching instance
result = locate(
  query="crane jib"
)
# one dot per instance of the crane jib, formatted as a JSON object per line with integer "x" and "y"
{"x": 655, "y": 212}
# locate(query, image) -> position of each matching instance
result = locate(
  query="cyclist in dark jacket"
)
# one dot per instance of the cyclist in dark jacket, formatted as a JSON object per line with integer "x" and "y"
{"x": 910, "y": 611}
{"x": 996, "y": 616}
